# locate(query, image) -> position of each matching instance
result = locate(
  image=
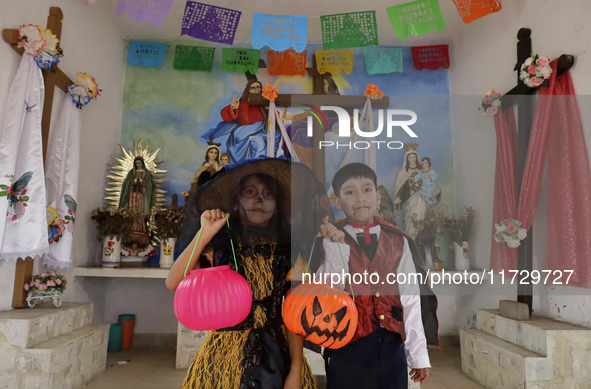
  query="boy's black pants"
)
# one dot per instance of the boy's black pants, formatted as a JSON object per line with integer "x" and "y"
{"x": 376, "y": 361}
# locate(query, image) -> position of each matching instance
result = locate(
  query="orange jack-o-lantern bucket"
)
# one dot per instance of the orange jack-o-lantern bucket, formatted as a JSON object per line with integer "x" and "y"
{"x": 323, "y": 315}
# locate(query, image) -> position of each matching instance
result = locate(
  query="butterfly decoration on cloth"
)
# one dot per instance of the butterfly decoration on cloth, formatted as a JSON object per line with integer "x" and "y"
{"x": 57, "y": 225}
{"x": 16, "y": 195}
{"x": 30, "y": 107}
{"x": 71, "y": 216}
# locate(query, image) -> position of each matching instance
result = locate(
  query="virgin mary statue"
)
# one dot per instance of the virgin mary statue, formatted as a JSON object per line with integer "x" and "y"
{"x": 136, "y": 196}
{"x": 407, "y": 192}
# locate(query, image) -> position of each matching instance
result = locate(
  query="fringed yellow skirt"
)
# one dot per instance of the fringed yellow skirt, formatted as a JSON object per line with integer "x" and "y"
{"x": 219, "y": 363}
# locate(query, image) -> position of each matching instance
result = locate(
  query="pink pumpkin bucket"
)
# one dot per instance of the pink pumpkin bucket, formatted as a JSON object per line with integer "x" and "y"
{"x": 212, "y": 298}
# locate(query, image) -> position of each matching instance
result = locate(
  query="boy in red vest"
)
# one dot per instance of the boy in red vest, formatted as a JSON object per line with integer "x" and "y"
{"x": 396, "y": 319}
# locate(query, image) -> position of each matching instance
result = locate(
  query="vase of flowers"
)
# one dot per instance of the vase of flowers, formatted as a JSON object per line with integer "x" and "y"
{"x": 429, "y": 232}
{"x": 168, "y": 222}
{"x": 46, "y": 286}
{"x": 112, "y": 224}
{"x": 459, "y": 231}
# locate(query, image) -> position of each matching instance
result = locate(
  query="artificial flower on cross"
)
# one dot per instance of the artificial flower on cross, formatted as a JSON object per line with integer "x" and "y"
{"x": 535, "y": 70}
{"x": 270, "y": 93}
{"x": 373, "y": 92}
{"x": 491, "y": 102}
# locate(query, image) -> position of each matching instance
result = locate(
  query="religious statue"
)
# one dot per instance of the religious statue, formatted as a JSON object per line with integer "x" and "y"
{"x": 408, "y": 195}
{"x": 136, "y": 192}
{"x": 136, "y": 196}
{"x": 430, "y": 190}
{"x": 243, "y": 128}
{"x": 136, "y": 184}
{"x": 211, "y": 165}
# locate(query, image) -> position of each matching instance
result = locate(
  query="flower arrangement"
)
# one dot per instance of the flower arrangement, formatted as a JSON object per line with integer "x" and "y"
{"x": 535, "y": 70}
{"x": 168, "y": 222}
{"x": 270, "y": 93}
{"x": 47, "y": 282}
{"x": 112, "y": 221}
{"x": 40, "y": 43}
{"x": 490, "y": 103}
{"x": 373, "y": 92}
{"x": 84, "y": 90}
{"x": 508, "y": 233}
{"x": 31, "y": 38}
{"x": 430, "y": 225}
{"x": 459, "y": 228}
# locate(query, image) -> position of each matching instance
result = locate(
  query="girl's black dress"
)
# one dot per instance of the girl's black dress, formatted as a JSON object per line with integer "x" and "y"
{"x": 253, "y": 354}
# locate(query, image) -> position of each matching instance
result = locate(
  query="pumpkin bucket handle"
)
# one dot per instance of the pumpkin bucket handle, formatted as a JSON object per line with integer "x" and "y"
{"x": 231, "y": 243}
{"x": 342, "y": 259}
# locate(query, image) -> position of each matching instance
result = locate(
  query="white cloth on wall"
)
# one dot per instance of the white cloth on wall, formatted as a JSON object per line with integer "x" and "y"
{"x": 61, "y": 180}
{"x": 23, "y": 232}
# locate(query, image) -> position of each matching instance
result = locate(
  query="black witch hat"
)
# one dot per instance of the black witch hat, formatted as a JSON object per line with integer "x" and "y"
{"x": 302, "y": 195}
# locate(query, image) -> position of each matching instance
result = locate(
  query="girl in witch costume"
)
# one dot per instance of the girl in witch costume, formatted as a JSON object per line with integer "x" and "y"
{"x": 259, "y": 352}
{"x": 396, "y": 316}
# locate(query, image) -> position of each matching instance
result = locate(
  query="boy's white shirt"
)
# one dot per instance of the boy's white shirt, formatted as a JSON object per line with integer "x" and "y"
{"x": 415, "y": 346}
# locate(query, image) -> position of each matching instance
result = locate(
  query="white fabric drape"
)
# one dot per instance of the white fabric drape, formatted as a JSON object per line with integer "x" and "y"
{"x": 274, "y": 117}
{"x": 23, "y": 231}
{"x": 61, "y": 180}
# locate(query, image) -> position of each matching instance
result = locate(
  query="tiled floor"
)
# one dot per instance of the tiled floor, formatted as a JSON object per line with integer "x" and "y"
{"x": 446, "y": 370}
{"x": 154, "y": 368}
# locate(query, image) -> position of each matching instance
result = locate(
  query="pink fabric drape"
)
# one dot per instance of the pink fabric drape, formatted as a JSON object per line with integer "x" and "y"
{"x": 557, "y": 132}
{"x": 505, "y": 200}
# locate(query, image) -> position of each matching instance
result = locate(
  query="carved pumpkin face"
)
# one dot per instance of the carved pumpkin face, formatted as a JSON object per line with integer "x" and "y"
{"x": 323, "y": 315}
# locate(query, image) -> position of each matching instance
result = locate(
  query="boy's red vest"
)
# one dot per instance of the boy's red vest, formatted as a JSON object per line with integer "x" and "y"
{"x": 378, "y": 303}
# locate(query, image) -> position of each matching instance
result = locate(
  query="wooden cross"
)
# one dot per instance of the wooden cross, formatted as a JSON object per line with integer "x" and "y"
{"x": 518, "y": 96}
{"x": 315, "y": 99}
{"x": 52, "y": 78}
{"x": 253, "y": 77}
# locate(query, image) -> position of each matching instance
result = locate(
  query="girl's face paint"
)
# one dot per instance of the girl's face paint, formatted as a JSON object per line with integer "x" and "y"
{"x": 257, "y": 203}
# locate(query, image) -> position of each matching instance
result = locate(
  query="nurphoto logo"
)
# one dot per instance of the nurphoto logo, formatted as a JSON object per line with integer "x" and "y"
{"x": 394, "y": 118}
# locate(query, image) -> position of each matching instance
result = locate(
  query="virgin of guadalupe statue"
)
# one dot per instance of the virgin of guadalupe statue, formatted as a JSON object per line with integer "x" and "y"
{"x": 407, "y": 194}
{"x": 136, "y": 196}
{"x": 135, "y": 183}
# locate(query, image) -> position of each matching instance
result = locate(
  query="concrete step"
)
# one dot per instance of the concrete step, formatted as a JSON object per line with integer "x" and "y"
{"x": 496, "y": 363}
{"x": 537, "y": 334}
{"x": 71, "y": 360}
{"x": 24, "y": 328}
